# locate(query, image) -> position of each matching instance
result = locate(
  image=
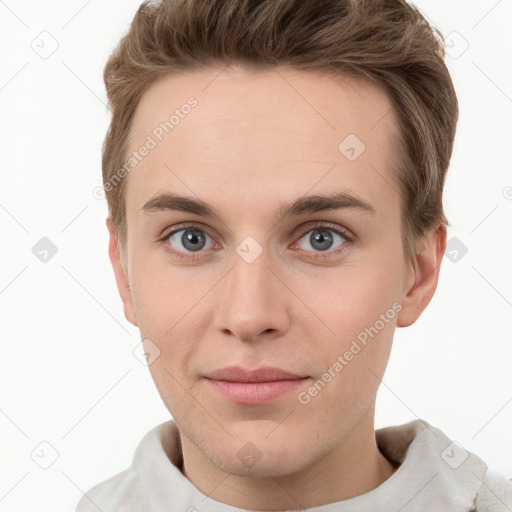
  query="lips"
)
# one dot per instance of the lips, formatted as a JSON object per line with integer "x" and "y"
{"x": 253, "y": 387}
{"x": 263, "y": 374}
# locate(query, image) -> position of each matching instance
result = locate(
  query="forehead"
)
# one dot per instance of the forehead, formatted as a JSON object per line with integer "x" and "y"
{"x": 276, "y": 132}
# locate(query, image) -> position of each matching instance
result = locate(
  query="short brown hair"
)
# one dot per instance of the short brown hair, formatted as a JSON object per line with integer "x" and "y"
{"x": 387, "y": 41}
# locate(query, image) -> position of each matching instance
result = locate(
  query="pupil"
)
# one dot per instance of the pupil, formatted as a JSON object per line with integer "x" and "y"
{"x": 192, "y": 237}
{"x": 323, "y": 237}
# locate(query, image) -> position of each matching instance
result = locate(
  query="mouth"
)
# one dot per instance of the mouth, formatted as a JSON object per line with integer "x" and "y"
{"x": 253, "y": 387}
{"x": 262, "y": 374}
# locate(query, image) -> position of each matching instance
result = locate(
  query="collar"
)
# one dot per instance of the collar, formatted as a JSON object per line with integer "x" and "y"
{"x": 434, "y": 473}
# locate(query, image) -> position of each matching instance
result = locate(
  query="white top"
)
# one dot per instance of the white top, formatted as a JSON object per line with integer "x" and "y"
{"x": 434, "y": 475}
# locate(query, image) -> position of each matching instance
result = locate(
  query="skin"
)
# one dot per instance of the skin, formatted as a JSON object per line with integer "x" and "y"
{"x": 257, "y": 140}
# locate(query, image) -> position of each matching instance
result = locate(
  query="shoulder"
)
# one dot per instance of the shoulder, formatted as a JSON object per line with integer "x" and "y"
{"x": 127, "y": 490}
{"x": 495, "y": 494}
{"x": 109, "y": 496}
{"x": 155, "y": 459}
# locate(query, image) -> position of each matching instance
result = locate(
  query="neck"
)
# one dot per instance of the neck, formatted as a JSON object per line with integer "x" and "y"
{"x": 354, "y": 467}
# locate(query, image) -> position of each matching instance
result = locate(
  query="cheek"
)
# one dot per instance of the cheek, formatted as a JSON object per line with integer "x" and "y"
{"x": 352, "y": 361}
{"x": 350, "y": 299}
{"x": 355, "y": 316}
{"x": 170, "y": 313}
{"x": 161, "y": 294}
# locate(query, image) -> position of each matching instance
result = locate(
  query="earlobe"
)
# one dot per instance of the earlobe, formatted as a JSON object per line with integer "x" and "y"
{"x": 421, "y": 280}
{"x": 121, "y": 274}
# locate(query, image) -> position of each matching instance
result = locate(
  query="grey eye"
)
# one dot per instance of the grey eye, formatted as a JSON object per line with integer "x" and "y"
{"x": 192, "y": 239}
{"x": 321, "y": 239}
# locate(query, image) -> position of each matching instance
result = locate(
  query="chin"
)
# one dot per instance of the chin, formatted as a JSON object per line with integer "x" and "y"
{"x": 268, "y": 465}
{"x": 260, "y": 457}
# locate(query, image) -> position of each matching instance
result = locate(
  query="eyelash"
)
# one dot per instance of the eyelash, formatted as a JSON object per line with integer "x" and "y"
{"x": 320, "y": 225}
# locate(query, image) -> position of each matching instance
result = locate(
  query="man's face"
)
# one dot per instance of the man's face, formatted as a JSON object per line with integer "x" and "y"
{"x": 248, "y": 288}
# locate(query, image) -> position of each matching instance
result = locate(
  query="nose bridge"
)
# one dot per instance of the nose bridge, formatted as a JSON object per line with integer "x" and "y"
{"x": 252, "y": 297}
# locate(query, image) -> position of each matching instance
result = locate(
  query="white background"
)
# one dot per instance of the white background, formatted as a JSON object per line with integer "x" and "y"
{"x": 68, "y": 375}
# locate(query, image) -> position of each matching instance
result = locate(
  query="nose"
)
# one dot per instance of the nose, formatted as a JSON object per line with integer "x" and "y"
{"x": 253, "y": 303}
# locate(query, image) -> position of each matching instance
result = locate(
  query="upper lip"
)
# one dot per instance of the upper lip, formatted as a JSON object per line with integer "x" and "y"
{"x": 263, "y": 374}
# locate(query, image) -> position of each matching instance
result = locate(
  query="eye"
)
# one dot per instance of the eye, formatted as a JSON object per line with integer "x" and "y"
{"x": 187, "y": 239}
{"x": 322, "y": 238}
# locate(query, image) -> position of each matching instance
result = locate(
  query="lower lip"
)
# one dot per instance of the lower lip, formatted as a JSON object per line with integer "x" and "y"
{"x": 255, "y": 393}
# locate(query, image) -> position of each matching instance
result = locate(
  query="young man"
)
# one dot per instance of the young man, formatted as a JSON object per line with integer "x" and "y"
{"x": 274, "y": 173}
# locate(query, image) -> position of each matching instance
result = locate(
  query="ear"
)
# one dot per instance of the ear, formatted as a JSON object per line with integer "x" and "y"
{"x": 121, "y": 274}
{"x": 421, "y": 278}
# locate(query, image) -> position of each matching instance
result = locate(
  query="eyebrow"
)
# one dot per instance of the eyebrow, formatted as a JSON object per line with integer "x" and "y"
{"x": 303, "y": 205}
